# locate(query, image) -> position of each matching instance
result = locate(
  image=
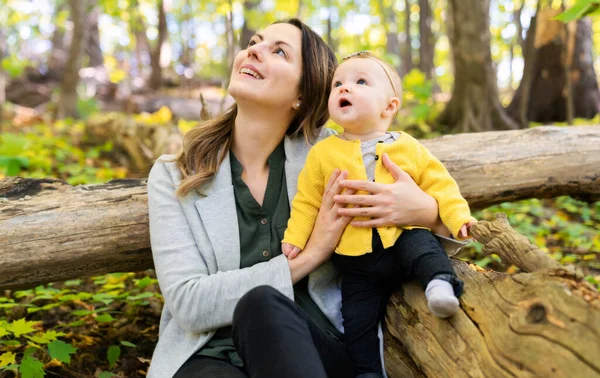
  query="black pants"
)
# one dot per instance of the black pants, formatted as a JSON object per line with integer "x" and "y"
{"x": 275, "y": 338}
{"x": 368, "y": 280}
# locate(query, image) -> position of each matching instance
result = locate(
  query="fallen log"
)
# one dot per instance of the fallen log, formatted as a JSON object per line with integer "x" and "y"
{"x": 540, "y": 324}
{"x": 51, "y": 231}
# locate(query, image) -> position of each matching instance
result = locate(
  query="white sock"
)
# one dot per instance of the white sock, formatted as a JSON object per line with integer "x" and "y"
{"x": 440, "y": 298}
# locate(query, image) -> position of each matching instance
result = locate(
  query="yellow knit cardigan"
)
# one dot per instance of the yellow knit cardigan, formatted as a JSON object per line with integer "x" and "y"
{"x": 406, "y": 152}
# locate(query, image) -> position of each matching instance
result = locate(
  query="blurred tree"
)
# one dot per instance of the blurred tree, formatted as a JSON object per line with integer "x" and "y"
{"x": 474, "y": 105}
{"x": 92, "y": 46}
{"x": 558, "y": 62}
{"x": 390, "y": 25}
{"x": 59, "y": 51}
{"x": 427, "y": 46}
{"x": 248, "y": 30}
{"x": 155, "y": 80}
{"x": 329, "y": 37}
{"x": 67, "y": 101}
{"x": 2, "y": 76}
{"x": 407, "y": 60}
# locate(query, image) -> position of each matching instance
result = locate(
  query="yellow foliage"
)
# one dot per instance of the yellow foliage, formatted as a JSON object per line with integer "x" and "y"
{"x": 7, "y": 358}
{"x": 414, "y": 78}
{"x": 185, "y": 125}
{"x": 161, "y": 116}
{"x": 116, "y": 76}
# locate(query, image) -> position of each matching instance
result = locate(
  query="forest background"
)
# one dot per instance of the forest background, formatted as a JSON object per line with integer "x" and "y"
{"x": 94, "y": 90}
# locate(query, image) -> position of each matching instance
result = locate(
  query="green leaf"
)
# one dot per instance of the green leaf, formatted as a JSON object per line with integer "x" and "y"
{"x": 61, "y": 351}
{"x": 577, "y": 11}
{"x": 106, "y": 374}
{"x": 22, "y": 327}
{"x": 13, "y": 165}
{"x": 144, "y": 282}
{"x": 113, "y": 354}
{"x": 140, "y": 296}
{"x": 128, "y": 344}
{"x": 104, "y": 318}
{"x": 73, "y": 283}
{"x": 31, "y": 368}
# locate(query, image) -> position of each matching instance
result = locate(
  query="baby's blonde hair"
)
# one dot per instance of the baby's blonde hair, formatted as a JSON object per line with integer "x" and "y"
{"x": 390, "y": 72}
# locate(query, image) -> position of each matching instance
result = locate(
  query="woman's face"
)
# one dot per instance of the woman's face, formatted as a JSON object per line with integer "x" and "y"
{"x": 268, "y": 71}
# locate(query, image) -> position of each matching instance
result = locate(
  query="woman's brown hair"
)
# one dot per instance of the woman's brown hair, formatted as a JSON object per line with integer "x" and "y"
{"x": 205, "y": 146}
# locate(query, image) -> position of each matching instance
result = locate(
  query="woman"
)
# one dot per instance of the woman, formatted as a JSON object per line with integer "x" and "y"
{"x": 218, "y": 212}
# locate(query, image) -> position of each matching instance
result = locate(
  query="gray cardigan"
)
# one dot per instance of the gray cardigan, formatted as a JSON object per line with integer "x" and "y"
{"x": 196, "y": 250}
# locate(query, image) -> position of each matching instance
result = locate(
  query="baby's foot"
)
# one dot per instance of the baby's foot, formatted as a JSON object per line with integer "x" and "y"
{"x": 440, "y": 298}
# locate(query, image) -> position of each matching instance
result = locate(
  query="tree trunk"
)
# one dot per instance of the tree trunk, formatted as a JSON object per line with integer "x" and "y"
{"x": 51, "y": 231}
{"x": 58, "y": 53}
{"x": 156, "y": 74}
{"x": 189, "y": 37}
{"x": 300, "y": 10}
{"x": 427, "y": 49}
{"x": 546, "y": 96}
{"x": 92, "y": 47}
{"x": 248, "y": 31}
{"x": 539, "y": 324}
{"x": 67, "y": 102}
{"x": 388, "y": 16}
{"x": 2, "y": 79}
{"x": 142, "y": 47}
{"x": 230, "y": 38}
{"x": 407, "y": 60}
{"x": 474, "y": 105}
{"x": 329, "y": 33}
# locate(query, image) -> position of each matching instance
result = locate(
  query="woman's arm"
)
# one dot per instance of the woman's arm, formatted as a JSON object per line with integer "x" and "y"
{"x": 402, "y": 203}
{"x": 198, "y": 300}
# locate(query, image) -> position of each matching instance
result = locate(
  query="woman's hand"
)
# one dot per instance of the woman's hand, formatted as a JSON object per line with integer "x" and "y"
{"x": 399, "y": 204}
{"x": 326, "y": 232}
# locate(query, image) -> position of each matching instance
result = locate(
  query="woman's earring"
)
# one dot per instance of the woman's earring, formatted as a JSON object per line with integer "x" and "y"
{"x": 297, "y": 106}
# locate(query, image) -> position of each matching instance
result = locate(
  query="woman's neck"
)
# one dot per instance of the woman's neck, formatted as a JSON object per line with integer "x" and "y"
{"x": 256, "y": 134}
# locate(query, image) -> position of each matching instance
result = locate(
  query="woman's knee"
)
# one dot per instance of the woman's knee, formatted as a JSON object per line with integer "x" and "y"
{"x": 255, "y": 302}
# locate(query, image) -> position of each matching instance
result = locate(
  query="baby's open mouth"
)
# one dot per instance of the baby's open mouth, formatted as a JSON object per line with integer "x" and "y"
{"x": 344, "y": 103}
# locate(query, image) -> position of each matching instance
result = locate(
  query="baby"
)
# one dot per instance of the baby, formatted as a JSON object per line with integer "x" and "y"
{"x": 364, "y": 100}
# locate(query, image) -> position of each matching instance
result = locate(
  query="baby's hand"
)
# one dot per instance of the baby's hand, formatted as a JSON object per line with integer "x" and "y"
{"x": 464, "y": 230}
{"x": 289, "y": 250}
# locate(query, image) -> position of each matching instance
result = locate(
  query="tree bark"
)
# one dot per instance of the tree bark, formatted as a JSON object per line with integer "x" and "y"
{"x": 388, "y": 15}
{"x": 2, "y": 79}
{"x": 138, "y": 27}
{"x": 51, "y": 231}
{"x": 546, "y": 95}
{"x": 92, "y": 47}
{"x": 248, "y": 31}
{"x": 156, "y": 74}
{"x": 329, "y": 33}
{"x": 427, "y": 49}
{"x": 474, "y": 105}
{"x": 58, "y": 53}
{"x": 67, "y": 102}
{"x": 407, "y": 60}
{"x": 539, "y": 324}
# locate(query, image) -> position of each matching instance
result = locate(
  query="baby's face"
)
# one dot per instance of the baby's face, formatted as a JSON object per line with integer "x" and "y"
{"x": 360, "y": 93}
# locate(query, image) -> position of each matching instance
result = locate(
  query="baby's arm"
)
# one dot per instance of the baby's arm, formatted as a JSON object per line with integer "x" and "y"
{"x": 437, "y": 182}
{"x": 305, "y": 206}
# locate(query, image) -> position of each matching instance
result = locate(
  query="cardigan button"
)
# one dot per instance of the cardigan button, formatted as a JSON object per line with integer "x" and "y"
{"x": 263, "y": 221}
{"x": 265, "y": 253}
